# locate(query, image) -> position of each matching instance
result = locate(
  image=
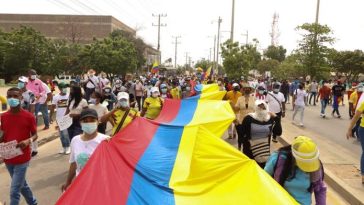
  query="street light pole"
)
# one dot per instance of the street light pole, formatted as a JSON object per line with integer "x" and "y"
{"x": 218, "y": 42}
{"x": 175, "y": 50}
{"x": 232, "y": 22}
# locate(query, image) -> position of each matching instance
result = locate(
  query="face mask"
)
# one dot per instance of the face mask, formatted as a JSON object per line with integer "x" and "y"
{"x": 261, "y": 92}
{"x": 89, "y": 128}
{"x": 92, "y": 100}
{"x": 164, "y": 90}
{"x": 155, "y": 95}
{"x": 276, "y": 90}
{"x": 124, "y": 104}
{"x": 33, "y": 77}
{"x": 261, "y": 114}
{"x": 13, "y": 102}
{"x": 188, "y": 88}
{"x": 21, "y": 85}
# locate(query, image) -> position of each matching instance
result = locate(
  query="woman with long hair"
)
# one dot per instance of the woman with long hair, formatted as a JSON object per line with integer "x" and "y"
{"x": 298, "y": 169}
{"x": 75, "y": 105}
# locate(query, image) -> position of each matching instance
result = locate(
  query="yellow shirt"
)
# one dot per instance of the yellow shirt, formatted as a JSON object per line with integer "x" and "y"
{"x": 175, "y": 93}
{"x": 153, "y": 106}
{"x": 233, "y": 97}
{"x": 354, "y": 98}
{"x": 361, "y": 109}
{"x": 118, "y": 116}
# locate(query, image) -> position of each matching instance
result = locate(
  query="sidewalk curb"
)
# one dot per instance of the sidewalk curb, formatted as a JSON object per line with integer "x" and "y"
{"x": 333, "y": 181}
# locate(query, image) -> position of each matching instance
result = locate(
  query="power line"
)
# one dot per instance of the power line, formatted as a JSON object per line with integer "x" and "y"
{"x": 65, "y": 6}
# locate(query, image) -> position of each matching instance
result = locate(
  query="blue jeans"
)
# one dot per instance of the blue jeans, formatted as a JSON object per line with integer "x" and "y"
{"x": 43, "y": 108}
{"x": 19, "y": 184}
{"x": 361, "y": 135}
{"x": 324, "y": 103}
{"x": 65, "y": 140}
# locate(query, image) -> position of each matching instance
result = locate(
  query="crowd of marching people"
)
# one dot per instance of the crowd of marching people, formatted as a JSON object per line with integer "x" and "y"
{"x": 100, "y": 106}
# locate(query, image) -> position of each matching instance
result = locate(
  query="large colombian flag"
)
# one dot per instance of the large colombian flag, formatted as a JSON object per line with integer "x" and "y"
{"x": 177, "y": 159}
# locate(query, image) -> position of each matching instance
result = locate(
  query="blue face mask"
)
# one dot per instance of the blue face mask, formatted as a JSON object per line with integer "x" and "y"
{"x": 13, "y": 102}
{"x": 124, "y": 104}
{"x": 21, "y": 85}
{"x": 89, "y": 127}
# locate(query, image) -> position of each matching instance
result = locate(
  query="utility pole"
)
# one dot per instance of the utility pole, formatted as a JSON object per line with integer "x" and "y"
{"x": 159, "y": 32}
{"x": 232, "y": 22}
{"x": 317, "y": 11}
{"x": 175, "y": 49}
{"x": 186, "y": 54}
{"x": 210, "y": 54}
{"x": 246, "y": 37}
{"x": 218, "y": 42}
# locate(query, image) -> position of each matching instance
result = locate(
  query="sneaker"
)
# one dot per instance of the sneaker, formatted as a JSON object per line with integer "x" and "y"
{"x": 67, "y": 150}
{"x": 62, "y": 151}
{"x": 34, "y": 153}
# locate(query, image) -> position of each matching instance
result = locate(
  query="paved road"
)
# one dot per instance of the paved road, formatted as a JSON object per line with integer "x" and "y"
{"x": 331, "y": 129}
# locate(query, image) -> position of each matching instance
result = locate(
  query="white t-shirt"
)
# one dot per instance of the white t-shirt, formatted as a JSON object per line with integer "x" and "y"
{"x": 28, "y": 97}
{"x": 81, "y": 151}
{"x": 43, "y": 98}
{"x": 100, "y": 109}
{"x": 83, "y": 104}
{"x": 61, "y": 104}
{"x": 94, "y": 83}
{"x": 274, "y": 105}
{"x": 300, "y": 97}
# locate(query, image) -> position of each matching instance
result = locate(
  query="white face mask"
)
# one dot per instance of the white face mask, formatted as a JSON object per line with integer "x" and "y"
{"x": 33, "y": 77}
{"x": 261, "y": 114}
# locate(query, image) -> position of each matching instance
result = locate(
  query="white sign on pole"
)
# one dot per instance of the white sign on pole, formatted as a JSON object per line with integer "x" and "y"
{"x": 64, "y": 122}
{"x": 9, "y": 150}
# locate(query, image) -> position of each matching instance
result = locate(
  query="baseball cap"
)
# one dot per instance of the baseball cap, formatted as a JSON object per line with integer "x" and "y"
{"x": 154, "y": 89}
{"x": 306, "y": 153}
{"x": 88, "y": 112}
{"x": 23, "y": 79}
{"x": 163, "y": 85}
{"x": 62, "y": 85}
{"x": 123, "y": 95}
{"x": 235, "y": 85}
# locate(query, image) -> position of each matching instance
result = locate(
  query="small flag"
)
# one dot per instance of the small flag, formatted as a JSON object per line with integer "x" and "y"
{"x": 155, "y": 68}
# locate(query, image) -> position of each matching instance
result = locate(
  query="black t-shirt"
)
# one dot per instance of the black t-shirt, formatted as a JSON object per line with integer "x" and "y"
{"x": 338, "y": 90}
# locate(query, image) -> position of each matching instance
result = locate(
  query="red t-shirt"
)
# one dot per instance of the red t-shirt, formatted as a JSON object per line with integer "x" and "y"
{"x": 324, "y": 93}
{"x": 19, "y": 127}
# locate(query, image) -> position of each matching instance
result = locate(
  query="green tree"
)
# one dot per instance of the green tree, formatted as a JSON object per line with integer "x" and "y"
{"x": 275, "y": 53}
{"x": 139, "y": 44}
{"x": 313, "y": 49}
{"x": 24, "y": 48}
{"x": 267, "y": 65}
{"x": 347, "y": 63}
{"x": 239, "y": 60}
{"x": 111, "y": 55}
{"x": 290, "y": 68}
{"x": 204, "y": 64}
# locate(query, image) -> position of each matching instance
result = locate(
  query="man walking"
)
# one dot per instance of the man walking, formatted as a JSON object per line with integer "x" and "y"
{"x": 313, "y": 91}
{"x": 324, "y": 95}
{"x": 23, "y": 132}
{"x": 337, "y": 93}
{"x": 276, "y": 104}
{"x": 91, "y": 84}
